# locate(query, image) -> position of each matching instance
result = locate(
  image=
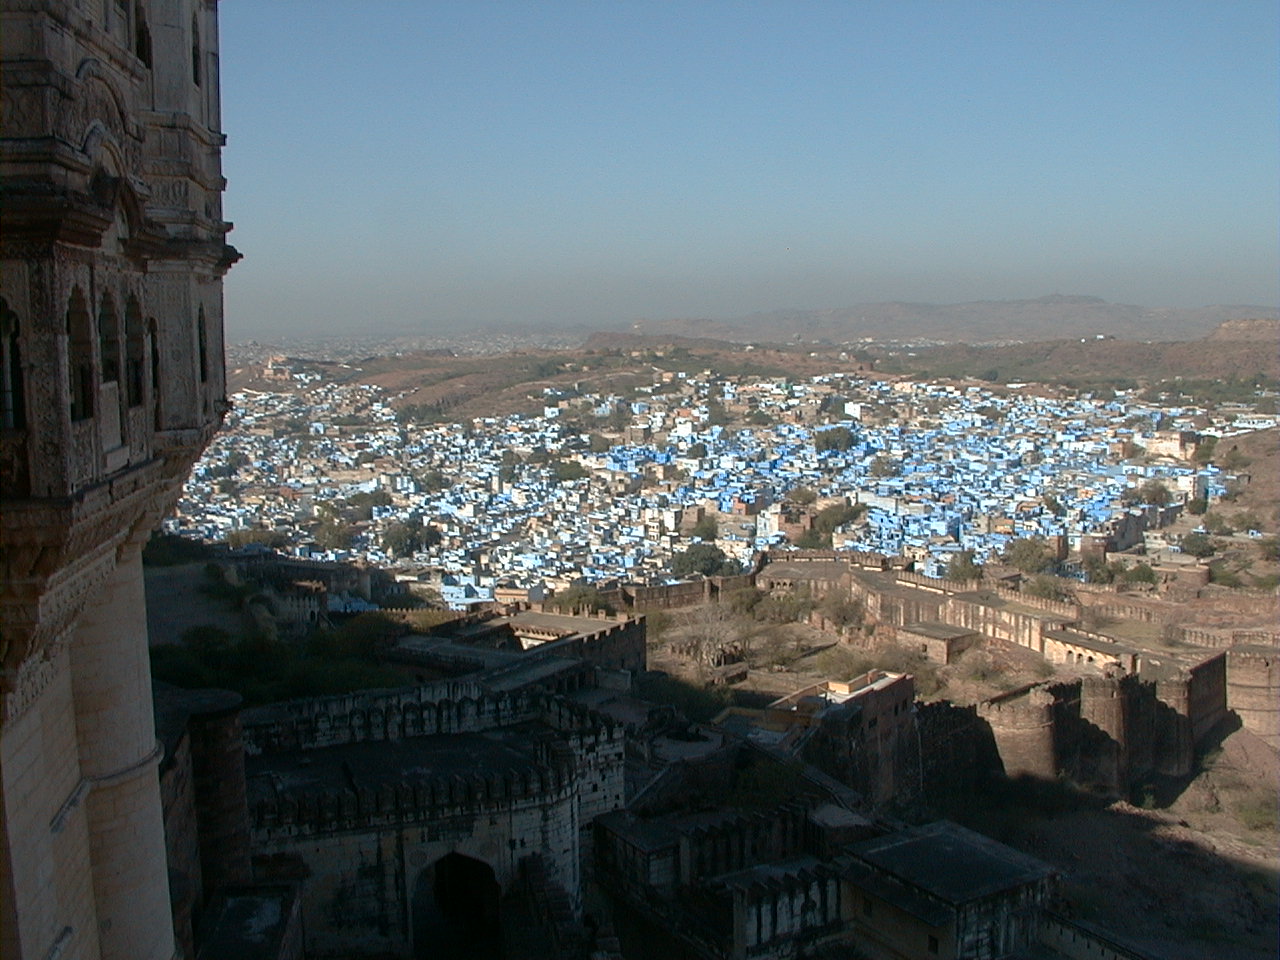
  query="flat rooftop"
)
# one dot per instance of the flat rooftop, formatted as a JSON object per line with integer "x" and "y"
{"x": 807, "y": 569}
{"x": 949, "y": 862}
{"x": 559, "y": 623}
{"x": 937, "y": 631}
{"x": 1089, "y": 643}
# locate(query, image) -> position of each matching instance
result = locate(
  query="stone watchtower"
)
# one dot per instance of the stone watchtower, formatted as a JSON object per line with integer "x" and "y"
{"x": 112, "y": 250}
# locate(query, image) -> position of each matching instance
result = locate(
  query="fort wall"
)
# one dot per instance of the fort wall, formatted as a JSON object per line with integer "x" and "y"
{"x": 1108, "y": 731}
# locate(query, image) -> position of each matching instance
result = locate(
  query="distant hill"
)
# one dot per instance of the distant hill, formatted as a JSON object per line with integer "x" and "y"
{"x": 1252, "y": 331}
{"x": 1230, "y": 352}
{"x": 975, "y": 322}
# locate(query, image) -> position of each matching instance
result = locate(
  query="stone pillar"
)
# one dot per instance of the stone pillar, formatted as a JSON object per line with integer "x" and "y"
{"x": 119, "y": 757}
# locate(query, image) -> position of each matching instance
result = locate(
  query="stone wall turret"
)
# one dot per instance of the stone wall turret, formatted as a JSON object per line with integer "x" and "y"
{"x": 1023, "y": 724}
{"x": 1253, "y": 689}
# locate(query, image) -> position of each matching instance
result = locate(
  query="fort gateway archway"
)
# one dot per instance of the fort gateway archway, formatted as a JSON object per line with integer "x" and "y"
{"x": 455, "y": 911}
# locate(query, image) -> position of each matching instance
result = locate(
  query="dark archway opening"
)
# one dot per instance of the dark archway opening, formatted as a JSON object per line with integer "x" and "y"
{"x": 455, "y": 911}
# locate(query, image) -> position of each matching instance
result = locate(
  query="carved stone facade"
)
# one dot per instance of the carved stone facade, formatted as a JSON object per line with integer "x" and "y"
{"x": 112, "y": 252}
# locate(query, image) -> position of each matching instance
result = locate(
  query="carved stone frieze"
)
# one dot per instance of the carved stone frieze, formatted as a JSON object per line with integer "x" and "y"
{"x": 96, "y": 113}
{"x": 22, "y": 109}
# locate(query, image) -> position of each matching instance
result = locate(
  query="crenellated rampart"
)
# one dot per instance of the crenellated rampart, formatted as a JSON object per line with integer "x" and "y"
{"x": 454, "y": 706}
{"x": 550, "y": 778}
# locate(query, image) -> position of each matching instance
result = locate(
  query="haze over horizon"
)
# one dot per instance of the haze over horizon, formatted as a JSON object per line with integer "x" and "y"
{"x": 401, "y": 168}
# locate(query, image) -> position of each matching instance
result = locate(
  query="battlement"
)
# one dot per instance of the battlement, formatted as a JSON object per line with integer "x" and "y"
{"x": 415, "y": 799}
{"x": 453, "y": 706}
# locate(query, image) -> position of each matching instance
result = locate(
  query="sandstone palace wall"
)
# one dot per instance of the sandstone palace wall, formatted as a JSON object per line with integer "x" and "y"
{"x": 112, "y": 250}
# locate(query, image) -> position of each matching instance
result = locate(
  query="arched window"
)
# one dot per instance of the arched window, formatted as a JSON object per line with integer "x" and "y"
{"x": 195, "y": 51}
{"x": 202, "y": 345}
{"x": 109, "y": 339}
{"x": 135, "y": 352}
{"x": 79, "y": 357}
{"x": 13, "y": 401}
{"x": 141, "y": 35}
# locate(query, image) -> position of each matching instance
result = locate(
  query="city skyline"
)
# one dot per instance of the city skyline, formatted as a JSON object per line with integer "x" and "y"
{"x": 570, "y": 164}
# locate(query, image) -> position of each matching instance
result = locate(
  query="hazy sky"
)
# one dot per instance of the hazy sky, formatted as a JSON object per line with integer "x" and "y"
{"x": 422, "y": 165}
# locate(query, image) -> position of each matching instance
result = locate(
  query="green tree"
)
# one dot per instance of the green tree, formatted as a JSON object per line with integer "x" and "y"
{"x": 334, "y": 535}
{"x": 1096, "y": 570}
{"x": 963, "y": 567}
{"x": 696, "y": 451}
{"x": 1223, "y": 575}
{"x": 1154, "y": 492}
{"x": 167, "y": 549}
{"x": 1053, "y": 505}
{"x": 583, "y": 597}
{"x": 843, "y": 611}
{"x": 704, "y": 558}
{"x": 802, "y": 496}
{"x": 1047, "y": 588}
{"x": 1029, "y": 554}
{"x": 433, "y": 481}
{"x": 1139, "y": 573}
{"x": 833, "y": 438}
{"x": 1246, "y": 520}
{"x": 1204, "y": 449}
{"x": 814, "y": 539}
{"x": 883, "y": 467}
{"x": 831, "y": 518}
{"x": 401, "y": 540}
{"x": 269, "y": 538}
{"x": 1217, "y": 525}
{"x": 717, "y": 416}
{"x": 1198, "y": 545}
{"x": 708, "y": 528}
{"x": 566, "y": 470}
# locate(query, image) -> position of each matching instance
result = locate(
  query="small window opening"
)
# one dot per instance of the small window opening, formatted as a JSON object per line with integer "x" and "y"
{"x": 109, "y": 340}
{"x": 135, "y": 353}
{"x": 202, "y": 344}
{"x": 79, "y": 357}
{"x": 154, "y": 342}
{"x": 13, "y": 405}
{"x": 141, "y": 35}
{"x": 195, "y": 52}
